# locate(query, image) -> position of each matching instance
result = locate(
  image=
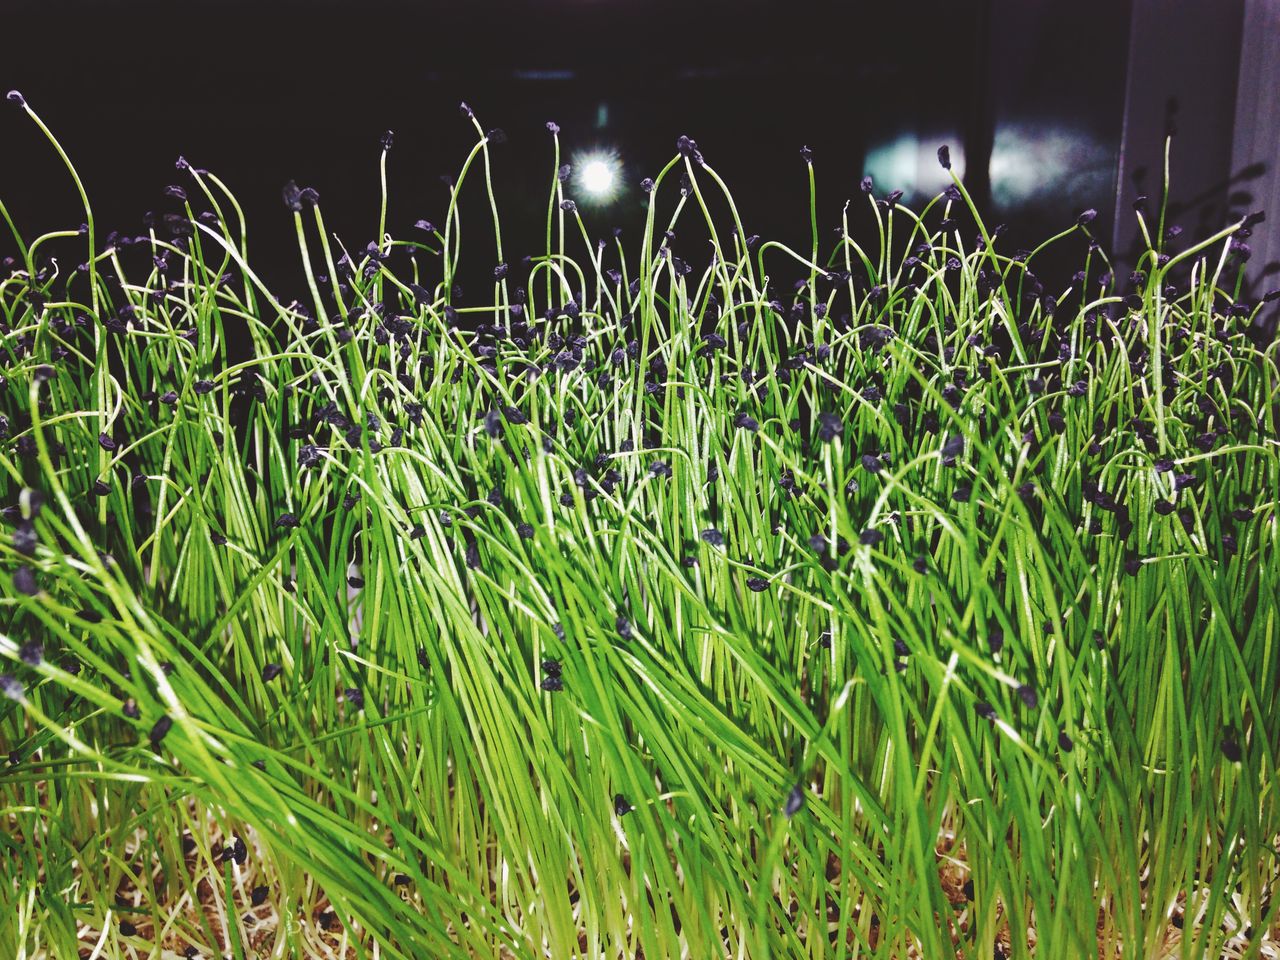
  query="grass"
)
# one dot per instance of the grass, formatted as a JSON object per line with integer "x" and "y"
{"x": 927, "y": 609}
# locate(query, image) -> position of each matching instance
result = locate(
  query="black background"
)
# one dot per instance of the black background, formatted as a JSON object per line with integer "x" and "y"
{"x": 262, "y": 92}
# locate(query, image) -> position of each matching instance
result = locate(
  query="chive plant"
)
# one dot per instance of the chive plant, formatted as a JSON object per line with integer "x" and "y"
{"x": 925, "y": 609}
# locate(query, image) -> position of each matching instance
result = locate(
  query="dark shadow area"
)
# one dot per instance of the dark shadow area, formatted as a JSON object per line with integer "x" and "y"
{"x": 1030, "y": 96}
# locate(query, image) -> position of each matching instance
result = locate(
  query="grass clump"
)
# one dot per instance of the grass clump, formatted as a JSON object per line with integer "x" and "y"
{"x": 924, "y": 609}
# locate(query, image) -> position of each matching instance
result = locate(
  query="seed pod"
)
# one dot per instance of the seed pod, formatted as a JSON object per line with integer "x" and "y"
{"x": 354, "y": 697}
{"x": 25, "y": 539}
{"x": 552, "y": 684}
{"x": 24, "y": 581}
{"x": 1065, "y": 743}
{"x": 1231, "y": 749}
{"x": 829, "y": 427}
{"x": 1028, "y": 696}
{"x": 387, "y": 139}
{"x": 288, "y": 521}
{"x": 870, "y": 538}
{"x": 1088, "y": 216}
{"x": 258, "y": 896}
{"x": 11, "y": 687}
{"x": 620, "y": 805}
{"x": 757, "y": 584}
{"x": 712, "y": 536}
{"x": 159, "y": 730}
{"x": 944, "y": 156}
{"x": 13, "y": 96}
{"x": 292, "y": 196}
{"x": 271, "y": 671}
{"x": 871, "y": 463}
{"x": 31, "y": 653}
{"x": 794, "y": 802}
{"x": 995, "y": 639}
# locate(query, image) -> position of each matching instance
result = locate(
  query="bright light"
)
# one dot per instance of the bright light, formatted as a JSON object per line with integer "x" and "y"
{"x": 598, "y": 176}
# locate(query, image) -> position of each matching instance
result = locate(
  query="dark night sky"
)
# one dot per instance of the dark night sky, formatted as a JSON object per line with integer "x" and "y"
{"x": 267, "y": 91}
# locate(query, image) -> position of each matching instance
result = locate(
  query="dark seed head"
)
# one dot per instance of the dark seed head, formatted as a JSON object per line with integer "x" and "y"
{"x": 1028, "y": 696}
{"x": 795, "y": 800}
{"x": 829, "y": 427}
{"x": 24, "y": 581}
{"x": 620, "y": 805}
{"x": 13, "y": 96}
{"x": 712, "y": 536}
{"x": 869, "y": 538}
{"x": 292, "y": 195}
{"x": 871, "y": 463}
{"x": 160, "y": 729}
{"x": 11, "y": 687}
{"x": 1231, "y": 749}
{"x": 1065, "y": 743}
{"x": 258, "y": 895}
{"x": 944, "y": 156}
{"x": 995, "y": 639}
{"x": 271, "y": 671}
{"x": 757, "y": 584}
{"x": 552, "y": 684}
{"x": 25, "y": 539}
{"x": 31, "y": 653}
